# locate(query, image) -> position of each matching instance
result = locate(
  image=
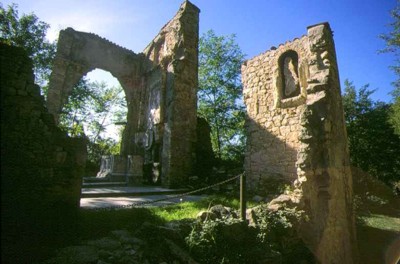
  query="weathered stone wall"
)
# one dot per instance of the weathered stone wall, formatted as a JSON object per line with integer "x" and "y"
{"x": 160, "y": 86}
{"x": 41, "y": 168}
{"x": 297, "y": 136}
{"x": 274, "y": 122}
{"x": 174, "y": 57}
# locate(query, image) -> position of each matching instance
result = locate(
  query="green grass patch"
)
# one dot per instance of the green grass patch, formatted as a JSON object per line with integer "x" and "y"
{"x": 98, "y": 223}
{"x": 191, "y": 209}
{"x": 382, "y": 222}
{"x": 177, "y": 211}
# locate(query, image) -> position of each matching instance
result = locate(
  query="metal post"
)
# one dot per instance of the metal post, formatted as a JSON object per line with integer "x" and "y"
{"x": 243, "y": 197}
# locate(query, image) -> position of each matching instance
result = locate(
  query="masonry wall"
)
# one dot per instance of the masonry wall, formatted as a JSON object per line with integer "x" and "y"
{"x": 160, "y": 85}
{"x": 41, "y": 168}
{"x": 273, "y": 123}
{"x": 297, "y": 136}
{"x": 174, "y": 64}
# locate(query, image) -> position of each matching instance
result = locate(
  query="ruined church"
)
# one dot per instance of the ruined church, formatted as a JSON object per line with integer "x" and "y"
{"x": 160, "y": 86}
{"x": 295, "y": 125}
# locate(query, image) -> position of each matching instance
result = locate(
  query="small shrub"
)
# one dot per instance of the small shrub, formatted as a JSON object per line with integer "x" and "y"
{"x": 229, "y": 240}
{"x": 277, "y": 231}
{"x": 226, "y": 240}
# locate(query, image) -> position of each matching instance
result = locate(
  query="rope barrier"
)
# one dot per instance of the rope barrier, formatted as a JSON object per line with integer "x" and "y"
{"x": 141, "y": 204}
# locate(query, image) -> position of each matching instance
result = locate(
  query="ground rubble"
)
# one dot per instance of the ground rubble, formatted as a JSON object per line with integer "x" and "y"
{"x": 148, "y": 244}
{"x": 151, "y": 243}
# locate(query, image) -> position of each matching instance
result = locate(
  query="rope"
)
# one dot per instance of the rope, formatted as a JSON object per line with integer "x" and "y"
{"x": 140, "y": 204}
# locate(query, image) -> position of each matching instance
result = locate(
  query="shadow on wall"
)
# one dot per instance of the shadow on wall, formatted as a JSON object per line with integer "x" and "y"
{"x": 270, "y": 162}
{"x": 41, "y": 168}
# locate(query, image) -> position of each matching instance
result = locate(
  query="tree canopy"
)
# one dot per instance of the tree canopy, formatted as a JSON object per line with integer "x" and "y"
{"x": 374, "y": 146}
{"x": 91, "y": 108}
{"x": 220, "y": 93}
{"x": 392, "y": 40}
{"x": 29, "y": 33}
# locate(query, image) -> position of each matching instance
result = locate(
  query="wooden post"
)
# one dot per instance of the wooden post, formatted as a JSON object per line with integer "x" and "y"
{"x": 243, "y": 197}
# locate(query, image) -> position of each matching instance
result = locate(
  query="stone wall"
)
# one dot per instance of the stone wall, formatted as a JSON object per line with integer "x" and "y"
{"x": 41, "y": 168}
{"x": 160, "y": 85}
{"x": 174, "y": 57}
{"x": 297, "y": 136}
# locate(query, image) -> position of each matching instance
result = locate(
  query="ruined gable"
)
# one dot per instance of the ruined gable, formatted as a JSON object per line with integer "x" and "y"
{"x": 297, "y": 136}
{"x": 160, "y": 85}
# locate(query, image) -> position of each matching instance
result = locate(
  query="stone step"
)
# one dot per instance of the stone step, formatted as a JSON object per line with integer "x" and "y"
{"x": 103, "y": 184}
{"x": 128, "y": 191}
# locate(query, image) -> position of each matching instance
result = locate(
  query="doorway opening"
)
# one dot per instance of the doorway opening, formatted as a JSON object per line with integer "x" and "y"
{"x": 97, "y": 110}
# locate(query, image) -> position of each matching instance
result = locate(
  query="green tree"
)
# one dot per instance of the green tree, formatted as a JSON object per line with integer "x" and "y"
{"x": 91, "y": 106}
{"x": 220, "y": 94}
{"x": 374, "y": 146}
{"x": 29, "y": 33}
{"x": 395, "y": 110}
{"x": 392, "y": 40}
{"x": 90, "y": 109}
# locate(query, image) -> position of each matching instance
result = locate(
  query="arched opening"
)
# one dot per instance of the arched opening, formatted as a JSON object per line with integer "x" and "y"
{"x": 160, "y": 94}
{"x": 96, "y": 109}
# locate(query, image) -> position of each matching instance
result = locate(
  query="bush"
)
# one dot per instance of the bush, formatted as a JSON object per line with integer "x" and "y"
{"x": 224, "y": 241}
{"x": 277, "y": 231}
{"x": 229, "y": 240}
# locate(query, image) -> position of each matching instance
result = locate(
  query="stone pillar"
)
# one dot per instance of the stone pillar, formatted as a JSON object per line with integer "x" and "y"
{"x": 175, "y": 51}
{"x": 323, "y": 163}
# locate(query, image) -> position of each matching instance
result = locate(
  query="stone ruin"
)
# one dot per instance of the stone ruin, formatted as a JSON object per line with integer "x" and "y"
{"x": 41, "y": 168}
{"x": 297, "y": 136}
{"x": 295, "y": 127}
{"x": 160, "y": 85}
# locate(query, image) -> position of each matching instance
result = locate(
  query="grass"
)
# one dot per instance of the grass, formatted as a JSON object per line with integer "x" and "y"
{"x": 376, "y": 227}
{"x": 378, "y": 217}
{"x": 375, "y": 233}
{"x": 95, "y": 224}
{"x": 382, "y": 222}
{"x": 191, "y": 209}
{"x": 176, "y": 212}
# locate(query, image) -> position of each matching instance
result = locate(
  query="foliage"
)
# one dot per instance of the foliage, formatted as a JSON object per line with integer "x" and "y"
{"x": 374, "y": 147}
{"x": 278, "y": 232}
{"x": 228, "y": 240}
{"x": 224, "y": 241}
{"x": 185, "y": 209}
{"x": 395, "y": 109}
{"x": 392, "y": 40}
{"x": 29, "y": 33}
{"x": 220, "y": 92}
{"x": 92, "y": 107}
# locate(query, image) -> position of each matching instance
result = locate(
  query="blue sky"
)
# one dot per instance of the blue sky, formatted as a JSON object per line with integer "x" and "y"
{"x": 258, "y": 25}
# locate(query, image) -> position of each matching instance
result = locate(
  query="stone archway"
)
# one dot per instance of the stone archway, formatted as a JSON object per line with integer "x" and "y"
{"x": 79, "y": 53}
{"x": 160, "y": 86}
